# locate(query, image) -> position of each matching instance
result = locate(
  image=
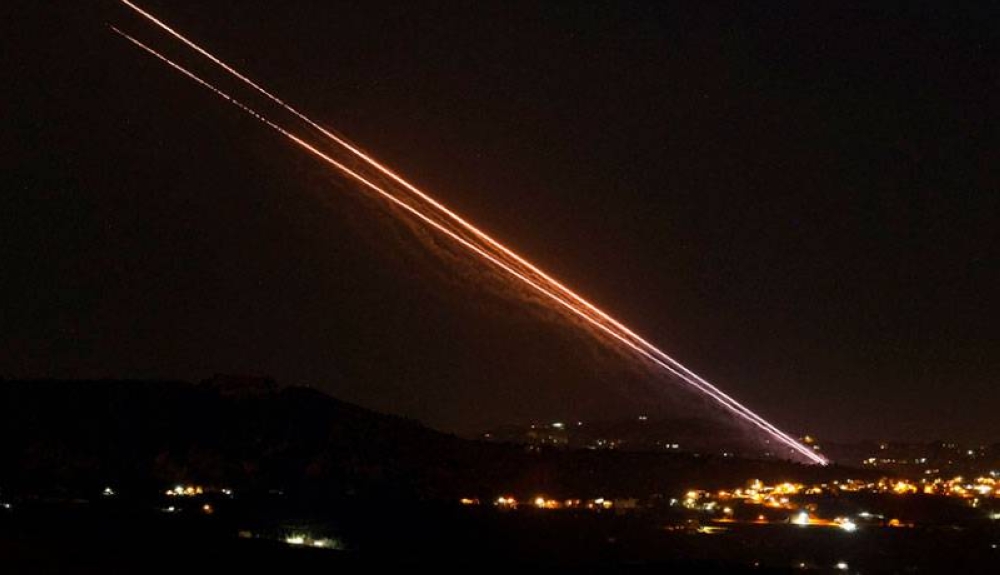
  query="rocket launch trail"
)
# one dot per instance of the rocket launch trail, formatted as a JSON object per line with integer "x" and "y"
{"x": 384, "y": 183}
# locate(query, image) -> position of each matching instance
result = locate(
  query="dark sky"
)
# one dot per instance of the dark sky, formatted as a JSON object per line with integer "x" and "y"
{"x": 799, "y": 202}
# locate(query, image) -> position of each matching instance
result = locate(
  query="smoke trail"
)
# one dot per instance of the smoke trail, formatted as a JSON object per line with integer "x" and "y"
{"x": 464, "y": 233}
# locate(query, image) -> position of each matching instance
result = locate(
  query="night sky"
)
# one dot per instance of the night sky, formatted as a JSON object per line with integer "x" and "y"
{"x": 800, "y": 203}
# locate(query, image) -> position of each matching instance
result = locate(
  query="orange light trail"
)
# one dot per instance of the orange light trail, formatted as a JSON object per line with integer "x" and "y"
{"x": 480, "y": 243}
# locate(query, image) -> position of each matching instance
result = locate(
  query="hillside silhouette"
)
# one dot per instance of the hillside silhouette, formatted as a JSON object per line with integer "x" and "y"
{"x": 71, "y": 438}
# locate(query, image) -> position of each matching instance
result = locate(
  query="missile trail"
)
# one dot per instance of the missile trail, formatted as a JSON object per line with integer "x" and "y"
{"x": 480, "y": 243}
{"x": 376, "y": 188}
{"x": 507, "y": 253}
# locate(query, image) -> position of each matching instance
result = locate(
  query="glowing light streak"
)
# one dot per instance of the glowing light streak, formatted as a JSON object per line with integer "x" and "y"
{"x": 565, "y": 291}
{"x": 542, "y": 283}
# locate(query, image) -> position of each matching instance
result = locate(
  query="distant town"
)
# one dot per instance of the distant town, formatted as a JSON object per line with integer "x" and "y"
{"x": 932, "y": 460}
{"x": 266, "y": 470}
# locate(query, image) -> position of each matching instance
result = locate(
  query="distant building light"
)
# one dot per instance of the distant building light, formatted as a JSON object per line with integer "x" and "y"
{"x": 801, "y": 518}
{"x": 849, "y": 526}
{"x": 558, "y": 425}
{"x": 543, "y": 503}
{"x": 108, "y": 492}
{"x": 295, "y": 539}
{"x": 841, "y": 566}
{"x": 185, "y": 491}
{"x": 506, "y": 502}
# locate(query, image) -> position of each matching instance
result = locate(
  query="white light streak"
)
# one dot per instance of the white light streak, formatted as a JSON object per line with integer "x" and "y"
{"x": 493, "y": 251}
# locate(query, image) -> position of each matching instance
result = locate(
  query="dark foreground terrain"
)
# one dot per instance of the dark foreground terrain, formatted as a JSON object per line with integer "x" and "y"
{"x": 245, "y": 476}
{"x": 107, "y": 539}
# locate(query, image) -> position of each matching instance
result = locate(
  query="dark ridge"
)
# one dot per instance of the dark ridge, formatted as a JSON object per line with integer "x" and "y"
{"x": 72, "y": 437}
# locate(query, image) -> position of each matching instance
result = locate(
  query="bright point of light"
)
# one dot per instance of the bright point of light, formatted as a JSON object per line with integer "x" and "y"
{"x": 108, "y": 492}
{"x": 295, "y": 540}
{"x": 842, "y": 566}
{"x": 558, "y": 425}
{"x": 539, "y": 502}
{"x": 849, "y": 526}
{"x": 801, "y": 519}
